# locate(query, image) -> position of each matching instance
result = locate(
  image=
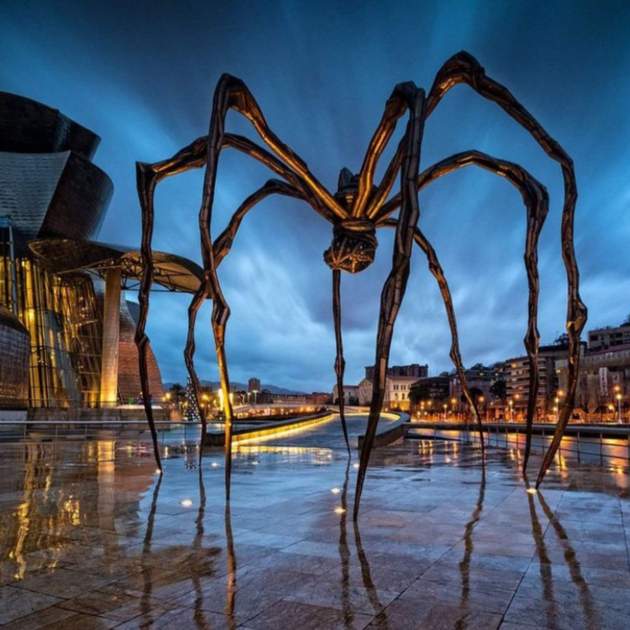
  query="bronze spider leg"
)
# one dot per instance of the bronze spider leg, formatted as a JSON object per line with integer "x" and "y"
{"x": 464, "y": 68}
{"x": 222, "y": 246}
{"x": 232, "y": 93}
{"x": 396, "y": 283}
{"x": 340, "y": 362}
{"x": 147, "y": 177}
{"x": 364, "y": 200}
{"x": 438, "y": 273}
{"x": 224, "y": 242}
{"x": 366, "y": 197}
{"x": 536, "y": 200}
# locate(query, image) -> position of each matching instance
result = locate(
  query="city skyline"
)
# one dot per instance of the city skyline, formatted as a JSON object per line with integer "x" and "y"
{"x": 328, "y": 80}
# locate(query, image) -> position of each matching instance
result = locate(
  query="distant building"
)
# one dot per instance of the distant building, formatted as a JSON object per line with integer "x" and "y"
{"x": 609, "y": 337}
{"x": 604, "y": 374}
{"x": 318, "y": 398}
{"x": 365, "y": 392}
{"x": 414, "y": 369}
{"x": 350, "y": 395}
{"x": 397, "y": 391}
{"x": 517, "y": 374}
{"x": 436, "y": 387}
{"x": 478, "y": 377}
{"x": 253, "y": 385}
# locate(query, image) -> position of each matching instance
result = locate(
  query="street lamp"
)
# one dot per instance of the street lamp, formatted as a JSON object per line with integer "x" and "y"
{"x": 481, "y": 400}
{"x": 618, "y": 397}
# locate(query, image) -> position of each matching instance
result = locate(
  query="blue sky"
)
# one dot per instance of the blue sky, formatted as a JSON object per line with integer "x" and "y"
{"x": 142, "y": 77}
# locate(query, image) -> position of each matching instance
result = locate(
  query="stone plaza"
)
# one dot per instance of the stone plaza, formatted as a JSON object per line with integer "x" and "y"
{"x": 92, "y": 537}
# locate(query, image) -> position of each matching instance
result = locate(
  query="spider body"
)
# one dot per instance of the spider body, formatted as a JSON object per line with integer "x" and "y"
{"x": 356, "y": 210}
{"x": 353, "y": 246}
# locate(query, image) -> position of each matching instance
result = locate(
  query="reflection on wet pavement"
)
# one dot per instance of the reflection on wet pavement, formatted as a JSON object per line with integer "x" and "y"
{"x": 91, "y": 537}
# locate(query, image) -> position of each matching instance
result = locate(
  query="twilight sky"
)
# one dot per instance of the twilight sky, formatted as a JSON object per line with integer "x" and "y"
{"x": 141, "y": 75}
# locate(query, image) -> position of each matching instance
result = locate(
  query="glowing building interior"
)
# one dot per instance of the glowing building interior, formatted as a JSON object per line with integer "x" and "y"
{"x": 66, "y": 329}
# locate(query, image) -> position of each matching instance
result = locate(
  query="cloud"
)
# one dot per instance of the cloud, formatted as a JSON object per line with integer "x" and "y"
{"x": 322, "y": 73}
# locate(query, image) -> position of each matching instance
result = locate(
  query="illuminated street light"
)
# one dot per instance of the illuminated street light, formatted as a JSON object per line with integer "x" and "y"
{"x": 618, "y": 397}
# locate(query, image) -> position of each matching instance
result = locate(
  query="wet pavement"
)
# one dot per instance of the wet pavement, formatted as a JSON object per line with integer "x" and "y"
{"x": 91, "y": 537}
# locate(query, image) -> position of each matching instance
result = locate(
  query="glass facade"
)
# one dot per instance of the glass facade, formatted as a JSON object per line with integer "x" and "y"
{"x": 60, "y": 313}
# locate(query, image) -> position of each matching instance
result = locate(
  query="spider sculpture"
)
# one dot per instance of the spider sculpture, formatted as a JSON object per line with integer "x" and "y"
{"x": 358, "y": 208}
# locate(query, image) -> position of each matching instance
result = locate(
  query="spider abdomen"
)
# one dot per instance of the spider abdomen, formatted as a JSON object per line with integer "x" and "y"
{"x": 353, "y": 246}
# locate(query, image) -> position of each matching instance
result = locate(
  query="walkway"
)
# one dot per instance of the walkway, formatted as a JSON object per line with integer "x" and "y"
{"x": 92, "y": 539}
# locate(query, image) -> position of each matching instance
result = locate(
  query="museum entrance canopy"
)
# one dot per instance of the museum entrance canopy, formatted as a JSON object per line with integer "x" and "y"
{"x": 65, "y": 255}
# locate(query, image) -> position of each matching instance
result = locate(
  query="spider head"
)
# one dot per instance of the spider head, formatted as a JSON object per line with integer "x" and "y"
{"x": 353, "y": 246}
{"x": 347, "y": 188}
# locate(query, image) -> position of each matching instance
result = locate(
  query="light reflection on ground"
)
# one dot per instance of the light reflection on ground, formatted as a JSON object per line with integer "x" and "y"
{"x": 90, "y": 536}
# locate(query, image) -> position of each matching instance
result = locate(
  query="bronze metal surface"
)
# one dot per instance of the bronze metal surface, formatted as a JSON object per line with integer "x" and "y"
{"x": 355, "y": 211}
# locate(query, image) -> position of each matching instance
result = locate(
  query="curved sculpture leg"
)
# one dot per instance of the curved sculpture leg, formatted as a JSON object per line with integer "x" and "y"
{"x": 189, "y": 355}
{"x": 147, "y": 178}
{"x": 532, "y": 337}
{"x": 464, "y": 68}
{"x": 148, "y": 175}
{"x": 224, "y": 242}
{"x": 365, "y": 199}
{"x": 221, "y": 248}
{"x": 396, "y": 283}
{"x": 536, "y": 200}
{"x": 146, "y": 187}
{"x": 340, "y": 363}
{"x": 438, "y": 273}
{"x": 232, "y": 93}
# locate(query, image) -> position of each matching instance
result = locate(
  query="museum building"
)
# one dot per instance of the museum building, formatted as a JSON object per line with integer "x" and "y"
{"x": 66, "y": 329}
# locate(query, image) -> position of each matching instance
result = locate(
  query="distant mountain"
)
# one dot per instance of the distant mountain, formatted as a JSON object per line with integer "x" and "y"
{"x": 236, "y": 386}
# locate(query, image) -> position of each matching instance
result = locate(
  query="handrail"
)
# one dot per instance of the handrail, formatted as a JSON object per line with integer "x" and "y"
{"x": 621, "y": 438}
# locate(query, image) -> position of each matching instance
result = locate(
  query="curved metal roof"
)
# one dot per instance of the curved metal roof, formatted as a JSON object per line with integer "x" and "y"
{"x": 65, "y": 255}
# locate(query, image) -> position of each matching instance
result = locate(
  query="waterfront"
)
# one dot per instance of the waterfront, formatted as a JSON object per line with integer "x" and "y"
{"x": 91, "y": 537}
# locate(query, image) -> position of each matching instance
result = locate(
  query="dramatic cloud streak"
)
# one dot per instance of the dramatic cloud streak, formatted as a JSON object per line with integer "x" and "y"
{"x": 142, "y": 78}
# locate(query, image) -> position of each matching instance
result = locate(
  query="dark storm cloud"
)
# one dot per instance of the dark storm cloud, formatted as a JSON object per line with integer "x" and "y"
{"x": 142, "y": 77}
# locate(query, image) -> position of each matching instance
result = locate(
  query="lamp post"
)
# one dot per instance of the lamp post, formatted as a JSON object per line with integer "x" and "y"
{"x": 481, "y": 401}
{"x": 618, "y": 397}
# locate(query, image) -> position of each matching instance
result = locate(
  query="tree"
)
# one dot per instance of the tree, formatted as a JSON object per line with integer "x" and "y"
{"x": 561, "y": 340}
{"x": 419, "y": 392}
{"x": 499, "y": 389}
{"x": 475, "y": 392}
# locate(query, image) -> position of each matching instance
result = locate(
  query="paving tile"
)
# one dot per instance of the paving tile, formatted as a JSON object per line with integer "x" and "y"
{"x": 433, "y": 546}
{"x": 288, "y": 615}
{"x": 431, "y": 615}
{"x": 16, "y": 603}
{"x": 62, "y": 582}
{"x": 40, "y": 619}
